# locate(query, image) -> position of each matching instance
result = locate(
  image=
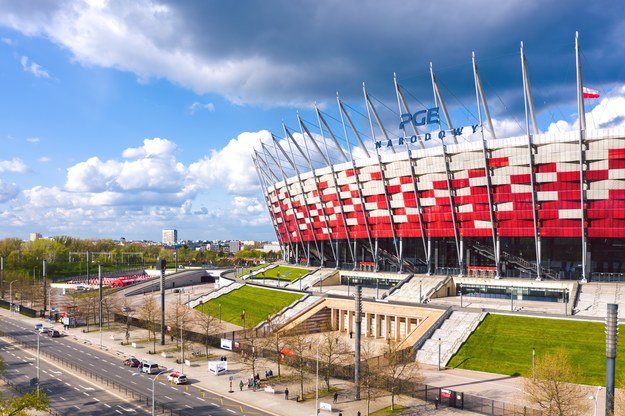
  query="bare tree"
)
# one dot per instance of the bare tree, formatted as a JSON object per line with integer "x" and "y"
{"x": 177, "y": 318}
{"x": 250, "y": 356}
{"x": 110, "y": 304}
{"x": 300, "y": 345}
{"x": 332, "y": 349}
{"x": 209, "y": 326}
{"x": 125, "y": 309}
{"x": 369, "y": 373}
{"x": 150, "y": 313}
{"x": 88, "y": 304}
{"x": 400, "y": 366}
{"x": 551, "y": 389}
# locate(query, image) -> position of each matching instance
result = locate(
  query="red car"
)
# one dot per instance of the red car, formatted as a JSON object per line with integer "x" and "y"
{"x": 132, "y": 362}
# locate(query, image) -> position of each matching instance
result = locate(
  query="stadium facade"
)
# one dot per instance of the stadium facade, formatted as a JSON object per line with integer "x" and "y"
{"x": 539, "y": 205}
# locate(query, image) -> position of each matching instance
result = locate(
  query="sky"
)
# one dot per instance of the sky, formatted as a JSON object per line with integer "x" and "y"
{"x": 123, "y": 118}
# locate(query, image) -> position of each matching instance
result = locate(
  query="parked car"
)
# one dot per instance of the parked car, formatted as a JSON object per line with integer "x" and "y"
{"x": 44, "y": 329}
{"x": 149, "y": 367}
{"x": 53, "y": 333}
{"x": 132, "y": 362}
{"x": 177, "y": 377}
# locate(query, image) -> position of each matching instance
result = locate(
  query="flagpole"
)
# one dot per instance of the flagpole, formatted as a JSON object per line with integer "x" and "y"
{"x": 582, "y": 156}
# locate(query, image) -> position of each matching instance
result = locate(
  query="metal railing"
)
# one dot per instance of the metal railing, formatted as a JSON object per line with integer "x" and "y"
{"x": 130, "y": 393}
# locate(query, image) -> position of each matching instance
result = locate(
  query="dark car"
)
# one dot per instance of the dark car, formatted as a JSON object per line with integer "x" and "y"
{"x": 132, "y": 362}
{"x": 54, "y": 333}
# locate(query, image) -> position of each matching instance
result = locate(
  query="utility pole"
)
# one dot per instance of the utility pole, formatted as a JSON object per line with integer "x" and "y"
{"x": 162, "y": 264}
{"x": 358, "y": 313}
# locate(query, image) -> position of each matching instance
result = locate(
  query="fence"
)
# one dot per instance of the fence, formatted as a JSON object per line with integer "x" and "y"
{"x": 132, "y": 394}
{"x": 427, "y": 393}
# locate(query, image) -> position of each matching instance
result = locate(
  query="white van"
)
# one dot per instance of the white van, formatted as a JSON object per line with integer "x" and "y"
{"x": 149, "y": 367}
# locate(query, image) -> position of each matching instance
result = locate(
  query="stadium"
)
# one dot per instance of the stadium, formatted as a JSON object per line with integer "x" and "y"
{"x": 441, "y": 199}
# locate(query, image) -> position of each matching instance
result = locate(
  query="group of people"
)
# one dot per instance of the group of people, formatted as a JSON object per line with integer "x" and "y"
{"x": 254, "y": 381}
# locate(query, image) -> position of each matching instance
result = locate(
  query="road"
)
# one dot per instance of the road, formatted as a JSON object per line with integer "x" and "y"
{"x": 74, "y": 394}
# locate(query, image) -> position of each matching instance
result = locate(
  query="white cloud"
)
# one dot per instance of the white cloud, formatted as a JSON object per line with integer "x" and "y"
{"x": 8, "y": 191}
{"x": 33, "y": 68}
{"x": 608, "y": 113}
{"x": 231, "y": 166}
{"x": 33, "y": 140}
{"x": 44, "y": 159}
{"x": 14, "y": 165}
{"x": 196, "y": 106}
{"x": 7, "y": 41}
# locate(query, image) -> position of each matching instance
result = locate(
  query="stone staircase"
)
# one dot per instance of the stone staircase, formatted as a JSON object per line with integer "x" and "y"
{"x": 452, "y": 334}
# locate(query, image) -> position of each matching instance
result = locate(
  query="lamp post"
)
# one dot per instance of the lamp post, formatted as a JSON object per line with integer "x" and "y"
{"x": 439, "y": 354}
{"x": 11, "y": 294}
{"x": 38, "y": 335}
{"x": 317, "y": 381}
{"x": 153, "y": 388}
{"x": 533, "y": 362}
{"x": 420, "y": 297}
{"x": 594, "y": 398}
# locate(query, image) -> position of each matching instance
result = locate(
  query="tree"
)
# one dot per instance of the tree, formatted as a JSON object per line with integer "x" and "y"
{"x": 400, "y": 366}
{"x": 550, "y": 387}
{"x": 369, "y": 374}
{"x": 88, "y": 305}
{"x": 300, "y": 345}
{"x": 20, "y": 405}
{"x": 275, "y": 341}
{"x": 150, "y": 313}
{"x": 209, "y": 326}
{"x": 126, "y": 309}
{"x": 332, "y": 349}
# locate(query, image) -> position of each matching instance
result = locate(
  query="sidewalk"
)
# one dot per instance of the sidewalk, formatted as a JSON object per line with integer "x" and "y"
{"x": 271, "y": 403}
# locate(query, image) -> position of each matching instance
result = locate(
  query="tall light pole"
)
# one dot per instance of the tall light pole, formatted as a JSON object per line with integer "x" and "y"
{"x": 38, "y": 335}
{"x": 594, "y": 398}
{"x": 11, "y": 294}
{"x": 153, "y": 388}
{"x": 317, "y": 381}
{"x": 533, "y": 362}
{"x": 439, "y": 354}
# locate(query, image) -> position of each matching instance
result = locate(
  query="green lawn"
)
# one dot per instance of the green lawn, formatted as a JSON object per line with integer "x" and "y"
{"x": 503, "y": 345}
{"x": 258, "y": 304}
{"x": 250, "y": 270}
{"x": 283, "y": 273}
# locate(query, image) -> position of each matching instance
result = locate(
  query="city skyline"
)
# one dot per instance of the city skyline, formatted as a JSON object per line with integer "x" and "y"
{"x": 120, "y": 119}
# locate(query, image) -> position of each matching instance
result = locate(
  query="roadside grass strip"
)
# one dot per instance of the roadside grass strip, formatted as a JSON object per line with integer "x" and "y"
{"x": 503, "y": 345}
{"x": 258, "y": 304}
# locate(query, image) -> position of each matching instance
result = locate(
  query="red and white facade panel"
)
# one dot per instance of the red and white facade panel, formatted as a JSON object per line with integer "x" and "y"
{"x": 340, "y": 203}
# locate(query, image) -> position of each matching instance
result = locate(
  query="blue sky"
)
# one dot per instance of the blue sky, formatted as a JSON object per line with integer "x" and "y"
{"x": 119, "y": 119}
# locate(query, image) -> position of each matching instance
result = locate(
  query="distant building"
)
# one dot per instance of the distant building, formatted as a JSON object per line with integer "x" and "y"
{"x": 235, "y": 246}
{"x": 35, "y": 236}
{"x": 271, "y": 247}
{"x": 170, "y": 237}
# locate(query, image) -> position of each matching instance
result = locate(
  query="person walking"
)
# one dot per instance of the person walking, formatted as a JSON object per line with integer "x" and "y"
{"x": 286, "y": 394}
{"x": 241, "y": 385}
{"x": 336, "y": 396}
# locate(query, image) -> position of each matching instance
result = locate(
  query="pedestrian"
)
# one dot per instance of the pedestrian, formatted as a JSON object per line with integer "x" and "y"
{"x": 241, "y": 385}
{"x": 436, "y": 403}
{"x": 336, "y": 396}
{"x": 358, "y": 413}
{"x": 340, "y": 413}
{"x": 286, "y": 394}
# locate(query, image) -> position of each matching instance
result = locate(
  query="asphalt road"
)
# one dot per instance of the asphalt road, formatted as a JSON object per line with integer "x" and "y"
{"x": 71, "y": 394}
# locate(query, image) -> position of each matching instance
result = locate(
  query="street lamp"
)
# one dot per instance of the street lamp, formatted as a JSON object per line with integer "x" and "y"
{"x": 11, "y": 294}
{"x": 533, "y": 362}
{"x": 439, "y": 354}
{"x": 38, "y": 335}
{"x": 420, "y": 297}
{"x": 594, "y": 398}
{"x": 154, "y": 388}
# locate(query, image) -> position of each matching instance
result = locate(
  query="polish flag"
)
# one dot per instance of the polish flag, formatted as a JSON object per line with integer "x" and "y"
{"x": 590, "y": 93}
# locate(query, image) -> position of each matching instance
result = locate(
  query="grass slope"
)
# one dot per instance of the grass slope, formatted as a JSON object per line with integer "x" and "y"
{"x": 503, "y": 345}
{"x": 284, "y": 273}
{"x": 258, "y": 303}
